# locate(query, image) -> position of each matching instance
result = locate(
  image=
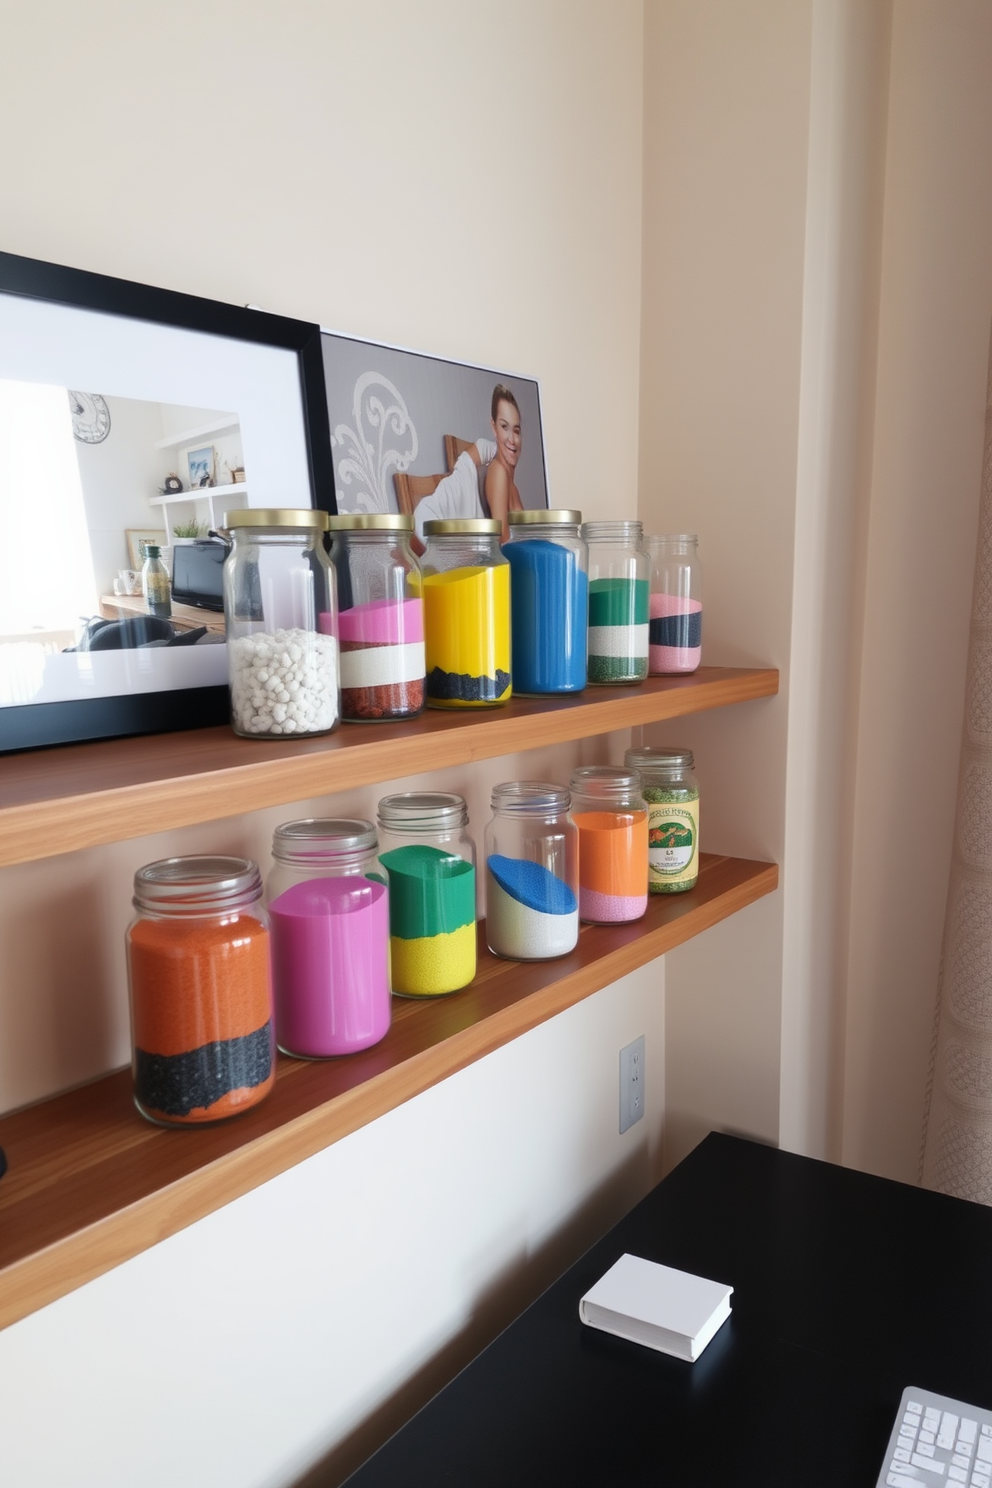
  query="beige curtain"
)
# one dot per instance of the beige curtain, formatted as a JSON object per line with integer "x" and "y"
{"x": 956, "y": 1155}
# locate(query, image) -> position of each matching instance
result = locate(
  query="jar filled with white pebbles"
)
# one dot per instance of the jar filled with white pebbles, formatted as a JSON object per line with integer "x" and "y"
{"x": 532, "y": 872}
{"x": 281, "y": 620}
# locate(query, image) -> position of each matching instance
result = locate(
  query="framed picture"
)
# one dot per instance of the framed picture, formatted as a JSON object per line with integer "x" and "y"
{"x": 200, "y": 464}
{"x": 151, "y": 371}
{"x": 420, "y": 434}
{"x": 138, "y": 539}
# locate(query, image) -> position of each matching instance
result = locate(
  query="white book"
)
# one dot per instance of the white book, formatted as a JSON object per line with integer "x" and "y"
{"x": 665, "y": 1309}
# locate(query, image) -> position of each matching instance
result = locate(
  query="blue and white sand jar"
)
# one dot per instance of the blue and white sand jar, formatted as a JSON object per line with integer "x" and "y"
{"x": 619, "y": 588}
{"x": 549, "y": 601}
{"x": 532, "y": 872}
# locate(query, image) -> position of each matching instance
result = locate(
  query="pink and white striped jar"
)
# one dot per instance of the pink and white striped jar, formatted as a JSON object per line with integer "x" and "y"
{"x": 675, "y": 629}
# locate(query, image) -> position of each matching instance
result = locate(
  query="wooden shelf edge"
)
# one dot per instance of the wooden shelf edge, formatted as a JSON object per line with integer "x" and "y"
{"x": 86, "y": 795}
{"x": 91, "y": 1185}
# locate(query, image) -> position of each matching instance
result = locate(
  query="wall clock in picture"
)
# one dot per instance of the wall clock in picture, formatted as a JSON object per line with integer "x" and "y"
{"x": 90, "y": 417}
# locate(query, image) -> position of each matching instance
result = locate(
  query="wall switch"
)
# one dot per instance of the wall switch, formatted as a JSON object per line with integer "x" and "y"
{"x": 632, "y": 1083}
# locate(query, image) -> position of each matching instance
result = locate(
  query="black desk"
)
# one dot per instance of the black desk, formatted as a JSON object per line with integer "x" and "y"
{"x": 847, "y": 1288}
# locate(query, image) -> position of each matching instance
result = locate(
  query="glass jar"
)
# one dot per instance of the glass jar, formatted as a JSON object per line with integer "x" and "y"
{"x": 429, "y": 859}
{"x": 466, "y": 614}
{"x": 672, "y": 795}
{"x": 532, "y": 872}
{"x": 619, "y": 586}
{"x": 281, "y": 622}
{"x": 609, "y": 811}
{"x": 156, "y": 586}
{"x": 200, "y": 990}
{"x": 549, "y": 601}
{"x": 329, "y": 915}
{"x": 676, "y": 604}
{"x": 380, "y": 617}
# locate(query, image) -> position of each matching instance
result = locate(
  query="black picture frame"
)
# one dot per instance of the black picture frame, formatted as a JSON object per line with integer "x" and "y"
{"x": 30, "y": 725}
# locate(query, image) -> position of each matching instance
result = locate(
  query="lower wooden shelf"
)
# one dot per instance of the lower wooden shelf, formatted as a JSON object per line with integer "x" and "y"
{"x": 91, "y": 1184}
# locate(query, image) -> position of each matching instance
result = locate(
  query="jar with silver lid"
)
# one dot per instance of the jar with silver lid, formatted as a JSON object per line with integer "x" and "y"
{"x": 671, "y": 792}
{"x": 609, "y": 811}
{"x": 532, "y": 872}
{"x": 280, "y": 615}
{"x": 466, "y": 614}
{"x": 549, "y": 601}
{"x": 676, "y": 624}
{"x": 200, "y": 990}
{"x": 429, "y": 858}
{"x": 619, "y": 585}
{"x": 380, "y": 616}
{"x": 329, "y": 914}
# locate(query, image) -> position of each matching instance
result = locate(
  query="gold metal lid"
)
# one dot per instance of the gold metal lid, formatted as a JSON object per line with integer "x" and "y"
{"x": 467, "y": 526}
{"x": 371, "y": 522}
{"x": 277, "y": 516}
{"x": 556, "y": 515}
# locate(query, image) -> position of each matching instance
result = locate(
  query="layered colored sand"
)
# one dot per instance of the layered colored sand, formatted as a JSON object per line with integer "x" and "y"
{"x": 613, "y": 865}
{"x": 675, "y": 633}
{"x": 531, "y": 914}
{"x": 618, "y": 630}
{"x": 431, "y": 920}
{"x": 201, "y": 1008}
{"x": 382, "y": 660}
{"x": 549, "y": 597}
{"x": 467, "y": 637}
{"x": 330, "y": 965}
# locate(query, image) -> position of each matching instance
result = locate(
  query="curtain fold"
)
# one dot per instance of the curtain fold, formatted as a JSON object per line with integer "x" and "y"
{"x": 956, "y": 1152}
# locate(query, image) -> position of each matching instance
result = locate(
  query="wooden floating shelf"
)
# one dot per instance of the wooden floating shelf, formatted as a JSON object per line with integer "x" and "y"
{"x": 80, "y": 795}
{"x": 92, "y": 1184}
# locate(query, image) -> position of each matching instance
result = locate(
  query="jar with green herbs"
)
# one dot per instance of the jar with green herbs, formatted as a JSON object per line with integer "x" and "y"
{"x": 672, "y": 794}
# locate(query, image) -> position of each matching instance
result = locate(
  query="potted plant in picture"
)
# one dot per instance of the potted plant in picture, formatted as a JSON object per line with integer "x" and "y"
{"x": 185, "y": 532}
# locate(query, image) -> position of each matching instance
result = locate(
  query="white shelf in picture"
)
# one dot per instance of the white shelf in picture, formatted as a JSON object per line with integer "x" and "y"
{"x": 176, "y": 498}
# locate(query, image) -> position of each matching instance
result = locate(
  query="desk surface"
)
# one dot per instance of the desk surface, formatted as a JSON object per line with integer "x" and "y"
{"x": 846, "y": 1289}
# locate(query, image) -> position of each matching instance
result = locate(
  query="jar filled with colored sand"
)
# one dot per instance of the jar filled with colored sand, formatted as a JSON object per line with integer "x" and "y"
{"x": 200, "y": 990}
{"x": 280, "y": 615}
{"x": 329, "y": 916}
{"x": 466, "y": 614}
{"x": 532, "y": 872}
{"x": 380, "y": 617}
{"x": 549, "y": 601}
{"x": 671, "y": 792}
{"x": 610, "y": 813}
{"x": 429, "y": 860}
{"x": 619, "y": 588}
{"x": 675, "y": 630}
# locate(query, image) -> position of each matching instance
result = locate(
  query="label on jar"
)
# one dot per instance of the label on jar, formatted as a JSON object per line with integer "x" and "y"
{"x": 673, "y": 841}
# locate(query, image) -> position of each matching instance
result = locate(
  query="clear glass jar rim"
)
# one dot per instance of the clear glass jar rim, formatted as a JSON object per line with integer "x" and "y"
{"x": 462, "y": 527}
{"x": 526, "y": 796}
{"x": 603, "y": 778}
{"x": 612, "y": 531}
{"x": 370, "y": 522}
{"x": 656, "y": 757}
{"x": 426, "y": 811}
{"x": 313, "y": 838}
{"x": 305, "y": 518}
{"x": 682, "y": 539}
{"x": 191, "y": 883}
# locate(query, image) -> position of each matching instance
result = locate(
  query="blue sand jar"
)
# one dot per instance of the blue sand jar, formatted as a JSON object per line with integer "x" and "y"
{"x": 532, "y": 872}
{"x": 549, "y": 601}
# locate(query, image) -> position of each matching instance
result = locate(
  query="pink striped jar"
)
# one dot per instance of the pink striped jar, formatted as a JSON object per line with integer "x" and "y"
{"x": 675, "y": 628}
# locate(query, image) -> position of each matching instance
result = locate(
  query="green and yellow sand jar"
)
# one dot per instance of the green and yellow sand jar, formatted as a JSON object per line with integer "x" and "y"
{"x": 430, "y": 859}
{"x": 671, "y": 792}
{"x": 466, "y": 614}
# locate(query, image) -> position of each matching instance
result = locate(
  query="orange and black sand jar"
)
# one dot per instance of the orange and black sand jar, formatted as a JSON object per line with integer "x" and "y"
{"x": 201, "y": 990}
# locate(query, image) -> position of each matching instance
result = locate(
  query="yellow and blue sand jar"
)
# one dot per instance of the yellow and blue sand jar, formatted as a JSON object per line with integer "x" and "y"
{"x": 466, "y": 614}
{"x": 430, "y": 859}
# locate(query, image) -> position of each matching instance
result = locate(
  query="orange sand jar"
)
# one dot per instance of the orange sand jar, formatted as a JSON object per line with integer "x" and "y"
{"x": 609, "y": 811}
{"x": 201, "y": 990}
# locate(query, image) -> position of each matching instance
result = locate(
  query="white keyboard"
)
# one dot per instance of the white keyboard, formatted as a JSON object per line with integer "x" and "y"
{"x": 937, "y": 1441}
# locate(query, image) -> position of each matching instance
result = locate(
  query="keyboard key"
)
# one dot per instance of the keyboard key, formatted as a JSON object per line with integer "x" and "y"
{"x": 915, "y": 1407}
{"x": 969, "y": 1430}
{"x": 984, "y": 1449}
{"x": 927, "y": 1464}
{"x": 902, "y": 1454}
{"x": 928, "y": 1437}
{"x": 964, "y": 1447}
{"x": 957, "y": 1475}
{"x": 899, "y": 1480}
{"x": 961, "y": 1459}
{"x": 948, "y": 1424}
{"x": 979, "y": 1480}
{"x": 923, "y": 1449}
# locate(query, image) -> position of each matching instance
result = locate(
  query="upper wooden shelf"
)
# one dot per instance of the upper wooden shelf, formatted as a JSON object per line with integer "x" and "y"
{"x": 92, "y": 1184}
{"x": 80, "y": 795}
